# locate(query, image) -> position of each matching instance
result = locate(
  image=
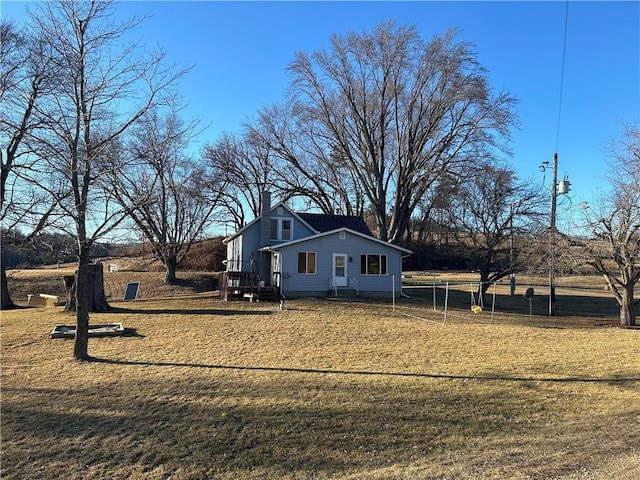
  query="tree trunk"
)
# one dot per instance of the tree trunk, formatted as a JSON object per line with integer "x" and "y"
{"x": 484, "y": 284}
{"x": 7, "y": 303}
{"x": 82, "y": 288}
{"x": 170, "y": 270}
{"x": 69, "y": 286}
{"x": 627, "y": 307}
{"x": 96, "y": 298}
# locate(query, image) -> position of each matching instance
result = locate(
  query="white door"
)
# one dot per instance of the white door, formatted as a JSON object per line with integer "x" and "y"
{"x": 275, "y": 269}
{"x": 339, "y": 270}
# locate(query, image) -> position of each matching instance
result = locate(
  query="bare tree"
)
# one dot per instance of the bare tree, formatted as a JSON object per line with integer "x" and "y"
{"x": 489, "y": 211}
{"x": 614, "y": 222}
{"x": 430, "y": 223}
{"x": 399, "y": 112}
{"x": 306, "y": 163}
{"x": 101, "y": 89}
{"x": 24, "y": 81}
{"x": 170, "y": 196}
{"x": 248, "y": 167}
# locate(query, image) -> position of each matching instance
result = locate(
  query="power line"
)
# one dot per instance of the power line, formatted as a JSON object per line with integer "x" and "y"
{"x": 554, "y": 191}
{"x": 564, "y": 54}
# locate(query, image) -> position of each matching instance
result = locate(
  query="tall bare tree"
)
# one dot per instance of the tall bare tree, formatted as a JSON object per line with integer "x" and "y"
{"x": 398, "y": 112}
{"x": 24, "y": 81}
{"x": 102, "y": 88}
{"x": 614, "y": 222}
{"x": 170, "y": 196}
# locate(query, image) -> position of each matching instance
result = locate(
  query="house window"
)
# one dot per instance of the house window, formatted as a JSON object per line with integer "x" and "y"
{"x": 373, "y": 264}
{"x": 281, "y": 229}
{"x": 307, "y": 262}
{"x": 286, "y": 229}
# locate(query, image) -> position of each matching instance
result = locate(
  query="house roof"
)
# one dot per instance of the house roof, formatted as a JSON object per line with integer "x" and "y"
{"x": 279, "y": 246}
{"x": 324, "y": 223}
{"x": 318, "y": 222}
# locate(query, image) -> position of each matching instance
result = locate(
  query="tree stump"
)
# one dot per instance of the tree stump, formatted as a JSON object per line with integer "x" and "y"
{"x": 97, "y": 298}
{"x": 7, "y": 303}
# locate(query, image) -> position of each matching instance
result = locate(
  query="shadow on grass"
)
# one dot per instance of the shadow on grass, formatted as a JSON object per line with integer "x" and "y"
{"x": 132, "y": 332}
{"x": 184, "y": 311}
{"x": 291, "y": 427}
{"x": 500, "y": 378}
{"x": 18, "y": 307}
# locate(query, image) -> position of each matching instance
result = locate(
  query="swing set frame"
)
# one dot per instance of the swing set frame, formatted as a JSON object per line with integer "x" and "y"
{"x": 477, "y": 304}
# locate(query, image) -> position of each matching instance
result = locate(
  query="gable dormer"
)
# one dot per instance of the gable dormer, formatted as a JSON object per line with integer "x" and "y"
{"x": 281, "y": 225}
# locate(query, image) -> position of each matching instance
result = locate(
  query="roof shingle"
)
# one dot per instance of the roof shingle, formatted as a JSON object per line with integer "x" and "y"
{"x": 325, "y": 223}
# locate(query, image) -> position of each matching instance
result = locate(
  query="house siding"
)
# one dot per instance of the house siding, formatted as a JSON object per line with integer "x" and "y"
{"x": 352, "y": 246}
{"x": 251, "y": 245}
{"x": 234, "y": 255}
{"x": 299, "y": 229}
{"x": 240, "y": 248}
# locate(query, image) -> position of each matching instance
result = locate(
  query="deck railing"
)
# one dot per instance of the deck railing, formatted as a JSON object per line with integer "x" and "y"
{"x": 353, "y": 283}
{"x": 231, "y": 282}
{"x": 237, "y": 284}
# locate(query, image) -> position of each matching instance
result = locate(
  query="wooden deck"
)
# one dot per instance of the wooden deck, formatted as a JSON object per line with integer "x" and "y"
{"x": 241, "y": 285}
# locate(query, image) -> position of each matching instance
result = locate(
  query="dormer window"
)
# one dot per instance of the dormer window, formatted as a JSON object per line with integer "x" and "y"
{"x": 281, "y": 229}
{"x": 286, "y": 229}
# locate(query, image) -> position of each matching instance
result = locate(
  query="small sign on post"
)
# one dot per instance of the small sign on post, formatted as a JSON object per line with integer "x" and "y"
{"x": 529, "y": 295}
{"x": 131, "y": 293}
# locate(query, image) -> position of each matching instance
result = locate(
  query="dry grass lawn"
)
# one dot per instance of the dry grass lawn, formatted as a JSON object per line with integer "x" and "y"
{"x": 202, "y": 389}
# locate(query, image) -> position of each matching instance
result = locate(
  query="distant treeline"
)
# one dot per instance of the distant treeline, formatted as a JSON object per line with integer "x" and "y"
{"x": 208, "y": 255}
{"x": 50, "y": 249}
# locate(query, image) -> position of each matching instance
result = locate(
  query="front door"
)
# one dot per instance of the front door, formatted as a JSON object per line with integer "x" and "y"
{"x": 339, "y": 270}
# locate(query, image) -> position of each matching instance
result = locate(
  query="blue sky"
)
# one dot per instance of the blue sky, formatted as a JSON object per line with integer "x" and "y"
{"x": 241, "y": 50}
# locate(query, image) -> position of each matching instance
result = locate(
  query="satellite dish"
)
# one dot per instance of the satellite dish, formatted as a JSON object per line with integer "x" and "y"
{"x": 529, "y": 293}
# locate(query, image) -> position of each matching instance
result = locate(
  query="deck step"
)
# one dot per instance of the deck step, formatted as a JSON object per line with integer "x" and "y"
{"x": 264, "y": 294}
{"x": 344, "y": 292}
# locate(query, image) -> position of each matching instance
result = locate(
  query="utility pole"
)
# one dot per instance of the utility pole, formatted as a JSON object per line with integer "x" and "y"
{"x": 552, "y": 239}
{"x": 512, "y": 279}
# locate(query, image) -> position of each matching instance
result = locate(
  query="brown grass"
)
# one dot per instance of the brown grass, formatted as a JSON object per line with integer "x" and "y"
{"x": 151, "y": 279}
{"x": 206, "y": 389}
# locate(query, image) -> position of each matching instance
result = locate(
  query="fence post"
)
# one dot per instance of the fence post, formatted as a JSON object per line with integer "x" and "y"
{"x": 446, "y": 301}
{"x": 493, "y": 302}
{"x": 393, "y": 291}
{"x": 434, "y": 295}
